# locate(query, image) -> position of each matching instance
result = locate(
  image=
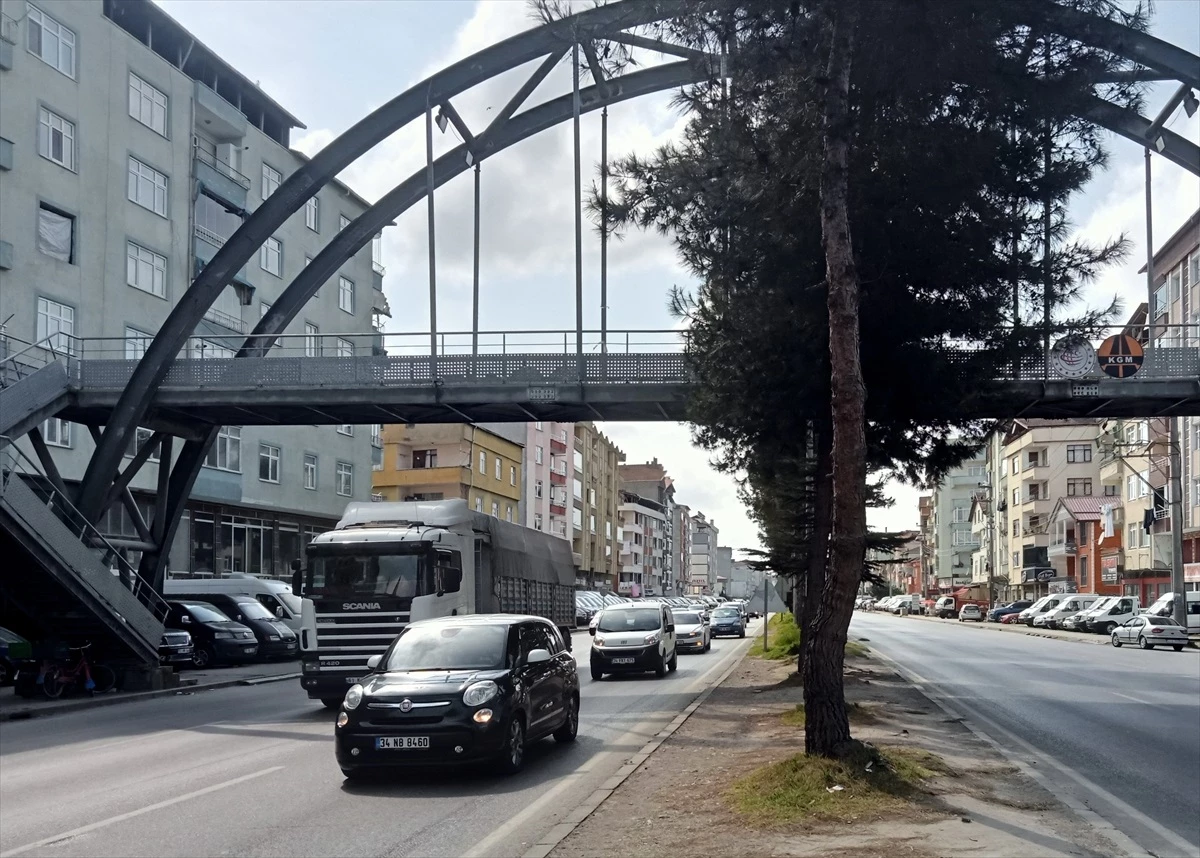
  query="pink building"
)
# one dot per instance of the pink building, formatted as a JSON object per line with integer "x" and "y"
{"x": 548, "y": 451}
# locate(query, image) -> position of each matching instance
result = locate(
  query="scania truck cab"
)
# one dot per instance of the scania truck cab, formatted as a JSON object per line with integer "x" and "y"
{"x": 388, "y": 564}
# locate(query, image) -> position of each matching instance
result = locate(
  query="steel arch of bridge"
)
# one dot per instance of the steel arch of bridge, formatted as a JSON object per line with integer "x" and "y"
{"x": 103, "y": 480}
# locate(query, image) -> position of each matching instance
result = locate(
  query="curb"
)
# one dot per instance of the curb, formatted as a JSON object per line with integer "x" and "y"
{"x": 115, "y": 699}
{"x": 576, "y": 817}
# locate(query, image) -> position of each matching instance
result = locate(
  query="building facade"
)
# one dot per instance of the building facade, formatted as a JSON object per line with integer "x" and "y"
{"x": 953, "y": 542}
{"x": 702, "y": 562}
{"x": 595, "y": 494}
{"x": 547, "y": 471}
{"x": 438, "y": 461}
{"x": 643, "y": 552}
{"x": 129, "y": 154}
{"x": 650, "y": 480}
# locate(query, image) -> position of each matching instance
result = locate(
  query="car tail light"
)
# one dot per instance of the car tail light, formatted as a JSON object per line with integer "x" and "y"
{"x": 1156, "y": 631}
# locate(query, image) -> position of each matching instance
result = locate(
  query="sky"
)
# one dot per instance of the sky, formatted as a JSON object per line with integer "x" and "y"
{"x": 330, "y": 62}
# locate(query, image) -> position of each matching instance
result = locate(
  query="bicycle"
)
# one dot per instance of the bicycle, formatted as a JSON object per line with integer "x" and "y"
{"x": 97, "y": 678}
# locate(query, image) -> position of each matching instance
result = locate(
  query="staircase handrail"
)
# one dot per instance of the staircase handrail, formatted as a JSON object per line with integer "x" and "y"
{"x": 128, "y": 576}
{"x": 46, "y": 343}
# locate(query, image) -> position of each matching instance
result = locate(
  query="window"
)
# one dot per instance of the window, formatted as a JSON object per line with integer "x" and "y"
{"x": 1083, "y": 573}
{"x": 482, "y": 462}
{"x": 1134, "y": 537}
{"x": 226, "y": 453}
{"x": 499, "y": 468}
{"x": 537, "y": 521}
{"x": 344, "y": 482}
{"x": 51, "y": 42}
{"x": 136, "y": 343}
{"x": 346, "y": 429}
{"x": 145, "y": 270}
{"x": 537, "y": 489}
{"x": 271, "y": 180}
{"x": 56, "y": 234}
{"x": 1016, "y": 497}
{"x": 202, "y": 349}
{"x": 537, "y": 455}
{"x": 424, "y": 459}
{"x": 377, "y": 435}
{"x": 310, "y": 471}
{"x": 1016, "y": 464}
{"x": 1161, "y": 304}
{"x": 478, "y": 504}
{"x": 346, "y": 294}
{"x": 147, "y": 105}
{"x": 512, "y": 475}
{"x": 268, "y": 463}
{"x": 1079, "y": 453}
{"x": 592, "y": 523}
{"x": 56, "y": 139}
{"x": 312, "y": 342}
{"x": 578, "y": 489}
{"x": 495, "y": 509}
{"x": 377, "y": 253}
{"x": 345, "y": 348}
{"x": 1016, "y": 527}
{"x": 56, "y": 432}
{"x": 270, "y": 257}
{"x": 508, "y": 512}
{"x": 312, "y": 211}
{"x": 343, "y": 222}
{"x": 147, "y": 187}
{"x": 56, "y": 323}
{"x": 1112, "y": 490}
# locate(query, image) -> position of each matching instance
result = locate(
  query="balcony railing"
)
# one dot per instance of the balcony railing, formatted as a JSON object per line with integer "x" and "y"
{"x": 207, "y": 235}
{"x": 206, "y": 157}
{"x": 225, "y": 320}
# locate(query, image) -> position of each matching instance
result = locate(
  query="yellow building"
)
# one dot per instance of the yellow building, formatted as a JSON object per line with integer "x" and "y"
{"x": 438, "y": 461}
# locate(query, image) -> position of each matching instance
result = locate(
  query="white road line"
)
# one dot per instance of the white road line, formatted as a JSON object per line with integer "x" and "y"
{"x": 112, "y": 820}
{"x": 517, "y": 822}
{"x": 1097, "y": 820}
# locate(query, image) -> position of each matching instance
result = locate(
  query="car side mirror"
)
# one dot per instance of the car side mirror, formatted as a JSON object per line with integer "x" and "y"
{"x": 279, "y": 613}
{"x": 592, "y": 631}
{"x": 537, "y": 656}
{"x": 185, "y": 619}
{"x": 373, "y": 662}
{"x": 670, "y": 627}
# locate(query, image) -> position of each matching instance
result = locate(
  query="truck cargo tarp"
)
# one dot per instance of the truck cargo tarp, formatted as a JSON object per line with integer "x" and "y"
{"x": 522, "y": 552}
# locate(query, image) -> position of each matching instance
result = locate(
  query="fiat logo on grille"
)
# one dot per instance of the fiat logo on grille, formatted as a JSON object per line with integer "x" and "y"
{"x": 405, "y": 705}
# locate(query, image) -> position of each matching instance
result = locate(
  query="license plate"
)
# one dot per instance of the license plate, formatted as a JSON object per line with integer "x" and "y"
{"x": 350, "y": 680}
{"x": 248, "y": 649}
{"x": 622, "y": 661}
{"x": 401, "y": 743}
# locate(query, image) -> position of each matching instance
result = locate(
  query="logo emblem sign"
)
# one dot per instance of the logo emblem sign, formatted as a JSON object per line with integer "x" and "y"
{"x": 1073, "y": 357}
{"x": 405, "y": 705}
{"x": 1120, "y": 356}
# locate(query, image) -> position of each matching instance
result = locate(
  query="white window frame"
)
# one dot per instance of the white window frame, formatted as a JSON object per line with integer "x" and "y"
{"x": 268, "y": 454}
{"x": 147, "y": 104}
{"x": 271, "y": 180}
{"x": 483, "y": 462}
{"x": 56, "y": 432}
{"x": 343, "y": 222}
{"x": 49, "y": 125}
{"x": 512, "y": 475}
{"x": 312, "y": 214}
{"x": 136, "y": 343}
{"x": 495, "y": 509}
{"x": 270, "y": 256}
{"x": 478, "y": 504}
{"x": 63, "y": 37}
{"x": 57, "y": 320}
{"x": 229, "y": 438}
{"x": 537, "y": 455}
{"x": 142, "y": 265}
{"x": 345, "y": 348}
{"x": 312, "y": 340}
{"x": 346, "y": 295}
{"x": 53, "y": 216}
{"x": 344, "y": 479}
{"x": 346, "y": 429}
{"x": 311, "y": 462}
{"x": 147, "y": 182}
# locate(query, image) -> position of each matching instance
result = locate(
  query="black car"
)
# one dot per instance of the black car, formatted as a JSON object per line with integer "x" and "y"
{"x": 728, "y": 621}
{"x": 995, "y": 615}
{"x": 217, "y": 638}
{"x": 275, "y": 639}
{"x": 460, "y": 690}
{"x": 176, "y": 648}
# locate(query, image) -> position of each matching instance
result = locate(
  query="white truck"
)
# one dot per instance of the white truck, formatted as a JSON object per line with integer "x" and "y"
{"x": 388, "y": 564}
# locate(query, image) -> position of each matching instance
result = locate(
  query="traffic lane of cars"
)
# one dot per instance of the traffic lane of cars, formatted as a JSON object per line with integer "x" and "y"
{"x": 1124, "y": 721}
{"x": 118, "y": 760}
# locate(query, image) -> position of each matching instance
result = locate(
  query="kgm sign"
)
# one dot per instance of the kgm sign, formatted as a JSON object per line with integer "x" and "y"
{"x": 1120, "y": 356}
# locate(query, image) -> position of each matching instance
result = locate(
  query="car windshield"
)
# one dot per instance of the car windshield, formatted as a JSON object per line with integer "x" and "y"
{"x": 725, "y": 612}
{"x": 291, "y": 600}
{"x": 252, "y": 610}
{"x": 447, "y": 647}
{"x": 687, "y": 619}
{"x": 205, "y": 613}
{"x": 630, "y": 620}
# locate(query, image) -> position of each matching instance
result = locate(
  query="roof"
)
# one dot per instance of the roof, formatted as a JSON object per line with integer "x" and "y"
{"x": 338, "y": 183}
{"x": 1089, "y": 508}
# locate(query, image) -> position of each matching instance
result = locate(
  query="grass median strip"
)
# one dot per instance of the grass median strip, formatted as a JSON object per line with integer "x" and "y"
{"x": 858, "y": 714}
{"x": 870, "y": 783}
{"x": 783, "y": 641}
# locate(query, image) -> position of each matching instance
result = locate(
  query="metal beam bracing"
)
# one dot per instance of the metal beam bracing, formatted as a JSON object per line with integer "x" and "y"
{"x": 457, "y": 121}
{"x": 1133, "y": 126}
{"x": 635, "y": 41}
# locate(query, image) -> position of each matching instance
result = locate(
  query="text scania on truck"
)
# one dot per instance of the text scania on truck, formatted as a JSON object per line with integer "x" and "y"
{"x": 388, "y": 564}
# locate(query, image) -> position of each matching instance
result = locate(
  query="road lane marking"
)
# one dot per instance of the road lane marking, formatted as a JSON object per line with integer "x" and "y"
{"x": 113, "y": 820}
{"x": 1097, "y": 820}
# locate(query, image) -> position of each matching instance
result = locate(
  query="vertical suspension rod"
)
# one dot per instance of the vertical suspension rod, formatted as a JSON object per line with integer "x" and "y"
{"x": 578, "y": 212}
{"x": 432, "y": 238}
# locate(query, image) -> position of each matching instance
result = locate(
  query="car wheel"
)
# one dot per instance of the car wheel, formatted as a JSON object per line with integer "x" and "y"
{"x": 570, "y": 726}
{"x": 1109, "y": 628}
{"x": 1143, "y": 643}
{"x": 1178, "y": 648}
{"x": 597, "y": 674}
{"x": 742, "y": 633}
{"x": 661, "y": 669}
{"x": 512, "y": 758}
{"x": 1115, "y": 640}
{"x": 674, "y": 663}
{"x": 202, "y": 657}
{"x": 331, "y": 702}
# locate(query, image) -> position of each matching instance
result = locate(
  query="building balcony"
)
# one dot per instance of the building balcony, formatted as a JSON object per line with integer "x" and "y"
{"x": 225, "y": 320}
{"x": 558, "y": 509}
{"x": 557, "y": 479}
{"x": 558, "y": 446}
{"x": 219, "y": 177}
{"x": 1061, "y": 549}
{"x": 449, "y": 476}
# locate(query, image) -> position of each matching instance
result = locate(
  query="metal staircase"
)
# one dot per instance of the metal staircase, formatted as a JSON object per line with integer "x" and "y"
{"x": 34, "y": 384}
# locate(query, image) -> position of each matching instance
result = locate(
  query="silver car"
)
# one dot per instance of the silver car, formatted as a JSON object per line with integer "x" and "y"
{"x": 692, "y": 632}
{"x": 1148, "y": 632}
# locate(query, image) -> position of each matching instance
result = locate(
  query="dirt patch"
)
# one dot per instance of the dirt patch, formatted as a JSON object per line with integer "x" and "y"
{"x": 717, "y": 785}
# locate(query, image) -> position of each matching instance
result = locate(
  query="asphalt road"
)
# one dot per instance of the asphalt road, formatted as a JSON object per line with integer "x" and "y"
{"x": 1116, "y": 729}
{"x": 250, "y": 772}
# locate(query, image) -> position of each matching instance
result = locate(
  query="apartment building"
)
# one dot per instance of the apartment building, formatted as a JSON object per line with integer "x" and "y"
{"x": 643, "y": 546}
{"x": 901, "y": 569}
{"x": 702, "y": 562}
{"x": 129, "y": 153}
{"x": 595, "y": 495}
{"x": 925, "y": 527}
{"x": 437, "y": 461}
{"x": 650, "y": 480}
{"x": 953, "y": 541}
{"x": 547, "y": 463}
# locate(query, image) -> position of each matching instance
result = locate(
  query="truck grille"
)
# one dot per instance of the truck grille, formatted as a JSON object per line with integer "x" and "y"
{"x": 351, "y": 639}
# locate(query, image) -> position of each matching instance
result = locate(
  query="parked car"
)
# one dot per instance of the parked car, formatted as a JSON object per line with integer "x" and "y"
{"x": 176, "y": 649}
{"x": 944, "y": 608}
{"x": 1165, "y": 607}
{"x": 217, "y": 638}
{"x": 970, "y": 612}
{"x": 634, "y": 639}
{"x": 275, "y": 638}
{"x": 1075, "y": 622}
{"x": 728, "y": 621}
{"x": 995, "y": 614}
{"x": 1107, "y": 614}
{"x": 459, "y": 690}
{"x": 691, "y": 632}
{"x": 1041, "y": 606}
{"x": 1148, "y": 631}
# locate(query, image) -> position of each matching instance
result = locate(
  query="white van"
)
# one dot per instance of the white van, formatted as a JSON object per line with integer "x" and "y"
{"x": 1072, "y": 604}
{"x": 1165, "y": 607}
{"x": 1041, "y": 606}
{"x": 276, "y": 596}
{"x": 1113, "y": 614}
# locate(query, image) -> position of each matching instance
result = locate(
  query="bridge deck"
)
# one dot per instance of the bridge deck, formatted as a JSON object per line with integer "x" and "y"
{"x": 520, "y": 387}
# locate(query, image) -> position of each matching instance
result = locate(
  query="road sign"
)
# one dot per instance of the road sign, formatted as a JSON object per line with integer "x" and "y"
{"x": 1120, "y": 356}
{"x": 1073, "y": 357}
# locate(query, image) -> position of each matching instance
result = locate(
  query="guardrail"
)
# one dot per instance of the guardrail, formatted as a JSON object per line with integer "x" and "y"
{"x": 19, "y": 358}
{"x": 220, "y": 166}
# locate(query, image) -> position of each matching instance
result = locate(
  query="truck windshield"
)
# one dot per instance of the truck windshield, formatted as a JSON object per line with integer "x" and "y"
{"x": 395, "y": 575}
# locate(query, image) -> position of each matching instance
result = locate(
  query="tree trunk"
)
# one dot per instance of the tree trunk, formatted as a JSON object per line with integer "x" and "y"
{"x": 827, "y": 727}
{"x": 818, "y": 543}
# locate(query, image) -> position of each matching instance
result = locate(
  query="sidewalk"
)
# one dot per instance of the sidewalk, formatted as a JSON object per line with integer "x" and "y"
{"x": 731, "y": 781}
{"x": 13, "y": 707}
{"x": 1055, "y": 634}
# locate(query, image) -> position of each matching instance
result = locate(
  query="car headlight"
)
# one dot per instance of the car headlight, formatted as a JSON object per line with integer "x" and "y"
{"x": 480, "y": 692}
{"x": 653, "y": 639}
{"x": 354, "y": 696}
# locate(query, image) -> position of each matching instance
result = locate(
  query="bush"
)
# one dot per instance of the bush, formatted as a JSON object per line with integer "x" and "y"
{"x": 783, "y": 638}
